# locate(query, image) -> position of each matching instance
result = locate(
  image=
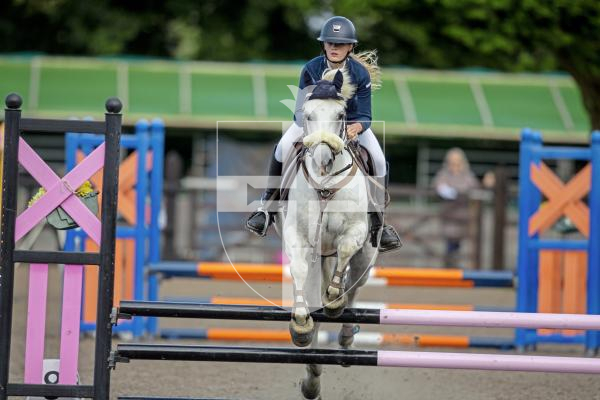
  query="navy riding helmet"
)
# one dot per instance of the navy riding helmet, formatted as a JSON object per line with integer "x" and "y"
{"x": 338, "y": 30}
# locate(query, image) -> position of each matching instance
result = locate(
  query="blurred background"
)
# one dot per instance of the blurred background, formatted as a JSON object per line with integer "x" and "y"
{"x": 467, "y": 74}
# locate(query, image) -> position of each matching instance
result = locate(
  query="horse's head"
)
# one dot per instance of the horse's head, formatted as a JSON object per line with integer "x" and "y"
{"x": 325, "y": 120}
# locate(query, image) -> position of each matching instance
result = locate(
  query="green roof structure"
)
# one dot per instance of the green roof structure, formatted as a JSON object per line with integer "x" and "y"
{"x": 198, "y": 94}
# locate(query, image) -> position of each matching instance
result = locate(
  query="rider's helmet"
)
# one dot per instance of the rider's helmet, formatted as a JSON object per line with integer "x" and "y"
{"x": 338, "y": 30}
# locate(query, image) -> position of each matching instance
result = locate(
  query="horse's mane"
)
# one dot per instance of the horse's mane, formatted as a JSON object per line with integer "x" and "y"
{"x": 368, "y": 59}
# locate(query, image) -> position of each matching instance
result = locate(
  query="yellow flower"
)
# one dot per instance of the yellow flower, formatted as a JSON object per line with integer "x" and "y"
{"x": 83, "y": 190}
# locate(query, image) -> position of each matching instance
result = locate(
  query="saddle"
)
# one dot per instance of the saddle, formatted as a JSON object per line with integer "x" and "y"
{"x": 293, "y": 163}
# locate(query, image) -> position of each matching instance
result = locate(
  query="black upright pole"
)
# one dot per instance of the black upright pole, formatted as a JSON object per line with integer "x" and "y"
{"x": 12, "y": 117}
{"x": 500, "y": 201}
{"x": 107, "y": 250}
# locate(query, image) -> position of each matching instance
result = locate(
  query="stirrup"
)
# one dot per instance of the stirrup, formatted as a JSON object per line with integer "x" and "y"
{"x": 395, "y": 246}
{"x": 263, "y": 231}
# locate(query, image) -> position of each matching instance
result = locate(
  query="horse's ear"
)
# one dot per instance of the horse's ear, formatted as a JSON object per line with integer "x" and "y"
{"x": 307, "y": 79}
{"x": 338, "y": 80}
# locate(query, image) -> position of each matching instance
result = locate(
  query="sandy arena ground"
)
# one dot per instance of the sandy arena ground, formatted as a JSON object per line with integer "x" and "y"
{"x": 276, "y": 382}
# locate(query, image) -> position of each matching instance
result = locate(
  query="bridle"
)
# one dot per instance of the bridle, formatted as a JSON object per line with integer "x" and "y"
{"x": 326, "y": 193}
{"x": 323, "y": 191}
{"x": 341, "y": 132}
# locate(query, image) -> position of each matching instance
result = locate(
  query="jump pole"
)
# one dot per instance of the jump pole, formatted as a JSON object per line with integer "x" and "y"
{"x": 359, "y": 304}
{"x": 365, "y": 316}
{"x": 410, "y": 359}
{"x": 378, "y": 276}
{"x": 331, "y": 337}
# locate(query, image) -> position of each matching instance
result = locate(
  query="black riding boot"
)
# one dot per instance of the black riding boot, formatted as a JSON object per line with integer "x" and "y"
{"x": 390, "y": 240}
{"x": 260, "y": 220}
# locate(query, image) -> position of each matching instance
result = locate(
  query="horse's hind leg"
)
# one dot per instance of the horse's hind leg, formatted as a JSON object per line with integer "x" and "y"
{"x": 357, "y": 276}
{"x": 311, "y": 384}
{"x": 346, "y": 335}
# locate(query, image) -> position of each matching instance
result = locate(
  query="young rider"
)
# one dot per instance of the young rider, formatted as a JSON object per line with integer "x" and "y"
{"x": 338, "y": 38}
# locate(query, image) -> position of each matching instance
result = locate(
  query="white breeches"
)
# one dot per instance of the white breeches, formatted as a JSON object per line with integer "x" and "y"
{"x": 367, "y": 139}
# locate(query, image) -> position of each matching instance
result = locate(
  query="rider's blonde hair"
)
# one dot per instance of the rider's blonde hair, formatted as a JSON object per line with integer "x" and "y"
{"x": 368, "y": 59}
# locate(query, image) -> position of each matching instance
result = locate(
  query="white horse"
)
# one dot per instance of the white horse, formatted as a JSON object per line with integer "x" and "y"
{"x": 325, "y": 228}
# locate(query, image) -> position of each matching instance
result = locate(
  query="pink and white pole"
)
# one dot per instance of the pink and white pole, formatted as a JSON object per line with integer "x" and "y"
{"x": 487, "y": 319}
{"x": 524, "y": 363}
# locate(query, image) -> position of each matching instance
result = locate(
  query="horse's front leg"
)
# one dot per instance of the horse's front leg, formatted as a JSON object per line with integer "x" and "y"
{"x": 335, "y": 298}
{"x": 302, "y": 326}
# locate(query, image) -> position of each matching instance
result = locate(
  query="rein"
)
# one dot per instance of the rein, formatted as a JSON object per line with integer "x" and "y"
{"x": 355, "y": 156}
{"x": 323, "y": 191}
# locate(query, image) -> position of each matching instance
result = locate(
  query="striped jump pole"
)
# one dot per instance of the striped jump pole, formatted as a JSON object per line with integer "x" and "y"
{"x": 378, "y": 276}
{"x": 373, "y": 339}
{"x": 359, "y": 304}
{"x": 364, "y": 316}
{"x": 410, "y": 359}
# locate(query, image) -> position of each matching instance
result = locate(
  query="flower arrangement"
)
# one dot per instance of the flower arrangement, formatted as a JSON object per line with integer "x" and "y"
{"x": 59, "y": 218}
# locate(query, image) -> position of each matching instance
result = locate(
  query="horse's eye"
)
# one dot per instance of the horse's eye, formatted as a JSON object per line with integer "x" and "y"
{"x": 308, "y": 118}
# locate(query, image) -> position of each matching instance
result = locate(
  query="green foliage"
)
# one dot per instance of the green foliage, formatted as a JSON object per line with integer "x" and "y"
{"x": 511, "y": 35}
{"x": 500, "y": 34}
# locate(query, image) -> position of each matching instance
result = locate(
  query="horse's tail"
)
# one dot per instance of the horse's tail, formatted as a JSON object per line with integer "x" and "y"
{"x": 368, "y": 59}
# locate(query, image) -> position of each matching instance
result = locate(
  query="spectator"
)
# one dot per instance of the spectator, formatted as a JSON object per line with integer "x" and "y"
{"x": 453, "y": 183}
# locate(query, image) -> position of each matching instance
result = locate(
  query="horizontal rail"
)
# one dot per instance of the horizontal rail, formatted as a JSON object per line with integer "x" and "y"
{"x": 411, "y": 359}
{"x": 331, "y": 337}
{"x": 56, "y": 257}
{"x": 127, "y": 141}
{"x": 556, "y": 244}
{"x": 54, "y": 391}
{"x": 484, "y": 319}
{"x": 393, "y": 276}
{"x": 61, "y": 126}
{"x": 558, "y": 152}
{"x": 234, "y": 312}
{"x": 126, "y": 352}
{"x": 359, "y": 304}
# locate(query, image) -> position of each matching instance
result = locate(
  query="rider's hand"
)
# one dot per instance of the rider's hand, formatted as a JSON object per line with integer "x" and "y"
{"x": 353, "y": 130}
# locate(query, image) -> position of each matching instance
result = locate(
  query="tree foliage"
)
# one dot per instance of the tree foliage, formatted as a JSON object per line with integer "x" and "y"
{"x": 509, "y": 35}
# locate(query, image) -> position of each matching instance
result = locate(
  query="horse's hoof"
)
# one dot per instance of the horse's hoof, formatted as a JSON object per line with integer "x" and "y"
{"x": 311, "y": 388}
{"x": 335, "y": 308}
{"x": 345, "y": 341}
{"x": 302, "y": 335}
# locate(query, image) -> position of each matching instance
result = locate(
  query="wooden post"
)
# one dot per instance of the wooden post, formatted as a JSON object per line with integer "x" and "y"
{"x": 1, "y": 158}
{"x": 173, "y": 174}
{"x": 500, "y": 203}
{"x": 476, "y": 233}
